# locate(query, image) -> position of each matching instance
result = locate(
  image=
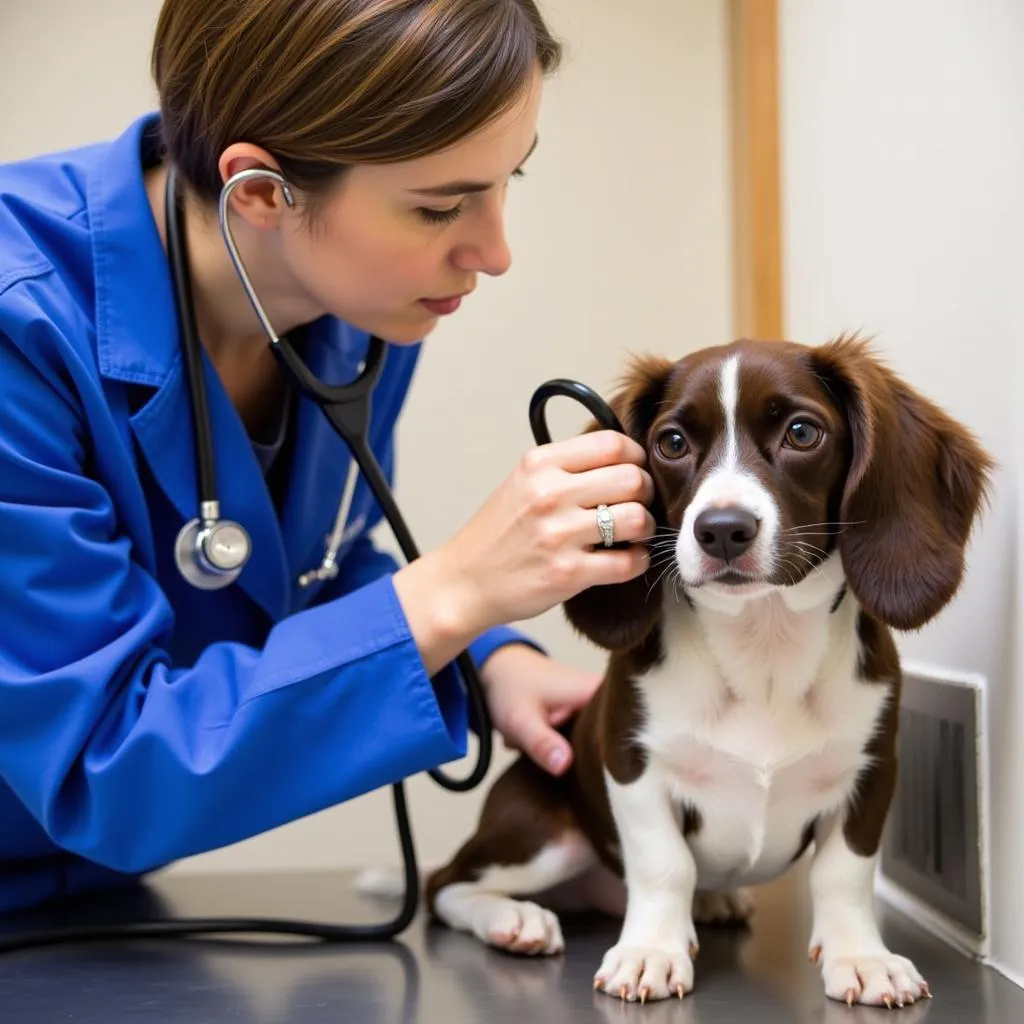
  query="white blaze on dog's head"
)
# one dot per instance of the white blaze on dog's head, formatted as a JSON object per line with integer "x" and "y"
{"x": 730, "y": 528}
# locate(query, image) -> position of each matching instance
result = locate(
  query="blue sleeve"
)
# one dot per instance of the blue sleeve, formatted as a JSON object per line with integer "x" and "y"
{"x": 132, "y": 761}
{"x": 365, "y": 562}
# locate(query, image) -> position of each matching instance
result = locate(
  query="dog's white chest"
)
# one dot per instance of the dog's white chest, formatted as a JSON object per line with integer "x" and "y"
{"x": 758, "y": 757}
{"x": 758, "y": 738}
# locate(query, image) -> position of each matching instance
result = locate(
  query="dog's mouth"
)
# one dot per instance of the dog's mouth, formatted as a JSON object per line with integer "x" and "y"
{"x": 742, "y": 571}
{"x": 729, "y": 576}
{"x": 734, "y": 578}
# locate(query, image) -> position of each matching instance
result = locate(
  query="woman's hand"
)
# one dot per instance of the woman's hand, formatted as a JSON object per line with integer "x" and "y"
{"x": 528, "y": 695}
{"x": 534, "y": 543}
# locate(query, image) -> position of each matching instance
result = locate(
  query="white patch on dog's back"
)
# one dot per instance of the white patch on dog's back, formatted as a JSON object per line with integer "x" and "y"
{"x": 756, "y": 719}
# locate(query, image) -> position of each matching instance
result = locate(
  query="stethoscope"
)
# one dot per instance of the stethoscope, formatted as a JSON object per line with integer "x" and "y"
{"x": 211, "y": 552}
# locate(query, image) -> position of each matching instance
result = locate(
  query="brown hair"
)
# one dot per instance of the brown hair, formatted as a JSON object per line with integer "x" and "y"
{"x": 322, "y": 84}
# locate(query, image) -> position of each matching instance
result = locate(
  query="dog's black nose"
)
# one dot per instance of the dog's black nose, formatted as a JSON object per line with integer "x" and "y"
{"x": 725, "y": 533}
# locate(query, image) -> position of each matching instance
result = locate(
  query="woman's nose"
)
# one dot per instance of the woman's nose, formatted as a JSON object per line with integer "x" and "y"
{"x": 485, "y": 250}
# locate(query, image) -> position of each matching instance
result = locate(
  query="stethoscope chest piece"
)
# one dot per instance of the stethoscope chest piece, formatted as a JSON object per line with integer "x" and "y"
{"x": 211, "y": 552}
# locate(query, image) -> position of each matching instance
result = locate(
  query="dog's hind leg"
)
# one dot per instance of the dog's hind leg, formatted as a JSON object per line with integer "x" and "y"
{"x": 722, "y": 907}
{"x": 527, "y": 844}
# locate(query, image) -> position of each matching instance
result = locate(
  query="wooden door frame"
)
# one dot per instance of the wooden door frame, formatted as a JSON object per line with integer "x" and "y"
{"x": 753, "y": 45}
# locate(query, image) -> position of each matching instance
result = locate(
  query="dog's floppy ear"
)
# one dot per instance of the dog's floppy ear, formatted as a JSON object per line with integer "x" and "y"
{"x": 621, "y": 615}
{"x": 915, "y": 483}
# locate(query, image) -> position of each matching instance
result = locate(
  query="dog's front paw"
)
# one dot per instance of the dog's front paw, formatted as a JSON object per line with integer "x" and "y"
{"x": 874, "y": 978}
{"x": 646, "y": 972}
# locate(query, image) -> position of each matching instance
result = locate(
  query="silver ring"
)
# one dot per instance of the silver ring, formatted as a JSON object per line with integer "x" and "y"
{"x": 606, "y": 524}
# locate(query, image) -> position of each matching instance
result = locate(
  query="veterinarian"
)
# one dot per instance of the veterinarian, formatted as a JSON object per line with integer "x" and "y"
{"x": 144, "y": 718}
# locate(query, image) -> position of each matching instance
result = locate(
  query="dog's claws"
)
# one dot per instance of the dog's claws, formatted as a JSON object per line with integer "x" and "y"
{"x": 925, "y": 990}
{"x": 815, "y": 954}
{"x": 887, "y": 999}
{"x": 644, "y": 993}
{"x": 694, "y": 950}
{"x": 680, "y": 991}
{"x": 851, "y": 997}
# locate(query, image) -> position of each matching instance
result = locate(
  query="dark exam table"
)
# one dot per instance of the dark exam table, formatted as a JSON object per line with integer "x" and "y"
{"x": 433, "y": 976}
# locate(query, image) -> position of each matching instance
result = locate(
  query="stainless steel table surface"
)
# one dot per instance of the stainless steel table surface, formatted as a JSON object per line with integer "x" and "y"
{"x": 432, "y": 975}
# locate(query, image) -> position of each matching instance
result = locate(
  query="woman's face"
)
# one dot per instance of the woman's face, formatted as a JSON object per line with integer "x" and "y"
{"x": 397, "y": 246}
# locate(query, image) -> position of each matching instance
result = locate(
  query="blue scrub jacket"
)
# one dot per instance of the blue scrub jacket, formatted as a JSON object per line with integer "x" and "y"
{"x": 142, "y": 720}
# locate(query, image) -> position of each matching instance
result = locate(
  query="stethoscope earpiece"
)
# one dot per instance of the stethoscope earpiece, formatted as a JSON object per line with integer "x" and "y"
{"x": 223, "y": 211}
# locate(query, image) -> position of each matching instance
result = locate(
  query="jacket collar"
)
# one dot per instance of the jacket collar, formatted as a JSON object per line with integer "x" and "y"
{"x": 138, "y": 342}
{"x": 136, "y": 325}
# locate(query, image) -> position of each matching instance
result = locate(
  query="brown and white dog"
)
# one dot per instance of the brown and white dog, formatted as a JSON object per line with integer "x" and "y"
{"x": 808, "y": 502}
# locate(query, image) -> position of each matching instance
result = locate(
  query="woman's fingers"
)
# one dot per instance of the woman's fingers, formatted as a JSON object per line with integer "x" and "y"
{"x": 632, "y": 522}
{"x": 606, "y": 566}
{"x": 587, "y": 451}
{"x": 577, "y": 530}
{"x": 537, "y": 541}
{"x": 612, "y": 485}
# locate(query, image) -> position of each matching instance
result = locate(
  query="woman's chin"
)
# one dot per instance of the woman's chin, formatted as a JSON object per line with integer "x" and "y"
{"x": 408, "y": 330}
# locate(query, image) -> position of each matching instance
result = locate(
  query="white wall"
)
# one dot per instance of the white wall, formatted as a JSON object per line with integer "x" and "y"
{"x": 630, "y": 186}
{"x": 903, "y": 175}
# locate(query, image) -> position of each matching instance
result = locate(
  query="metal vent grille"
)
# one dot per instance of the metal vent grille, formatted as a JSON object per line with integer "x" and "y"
{"x": 932, "y": 843}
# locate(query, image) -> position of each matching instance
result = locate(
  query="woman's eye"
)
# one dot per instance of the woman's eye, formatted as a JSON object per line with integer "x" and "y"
{"x": 432, "y": 216}
{"x": 672, "y": 445}
{"x": 440, "y": 216}
{"x": 803, "y": 435}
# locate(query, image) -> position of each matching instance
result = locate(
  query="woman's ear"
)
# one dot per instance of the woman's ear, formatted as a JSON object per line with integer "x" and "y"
{"x": 259, "y": 201}
{"x": 619, "y": 616}
{"x": 916, "y": 481}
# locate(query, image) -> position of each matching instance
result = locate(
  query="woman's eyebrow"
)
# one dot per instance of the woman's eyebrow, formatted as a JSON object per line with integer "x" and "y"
{"x": 459, "y": 188}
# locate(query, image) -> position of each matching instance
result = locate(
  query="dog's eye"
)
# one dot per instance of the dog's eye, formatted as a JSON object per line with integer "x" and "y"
{"x": 803, "y": 435}
{"x": 672, "y": 444}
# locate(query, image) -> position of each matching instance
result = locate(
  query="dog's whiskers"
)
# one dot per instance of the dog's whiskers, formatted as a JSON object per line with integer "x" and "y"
{"x": 661, "y": 576}
{"x": 813, "y": 559}
{"x": 813, "y": 548}
{"x": 829, "y": 522}
{"x": 815, "y": 533}
{"x": 663, "y": 557}
{"x": 663, "y": 545}
{"x": 676, "y": 578}
{"x": 811, "y": 564}
{"x": 836, "y": 527}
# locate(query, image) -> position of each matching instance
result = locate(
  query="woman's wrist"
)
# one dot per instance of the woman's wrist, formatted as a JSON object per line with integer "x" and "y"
{"x": 443, "y": 606}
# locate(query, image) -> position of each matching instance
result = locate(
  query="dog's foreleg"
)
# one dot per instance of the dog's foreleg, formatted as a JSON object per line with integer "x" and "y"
{"x": 653, "y": 958}
{"x": 855, "y": 964}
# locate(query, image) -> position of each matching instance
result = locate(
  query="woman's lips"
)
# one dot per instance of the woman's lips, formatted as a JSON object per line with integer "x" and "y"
{"x": 442, "y": 307}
